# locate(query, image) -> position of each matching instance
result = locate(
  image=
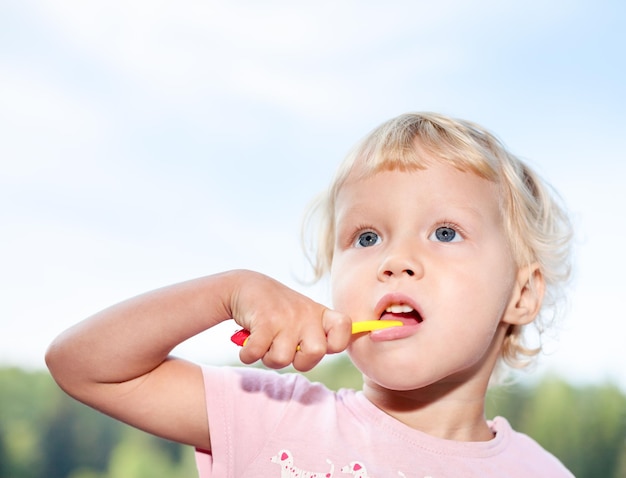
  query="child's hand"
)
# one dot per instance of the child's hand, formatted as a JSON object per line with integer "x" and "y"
{"x": 285, "y": 326}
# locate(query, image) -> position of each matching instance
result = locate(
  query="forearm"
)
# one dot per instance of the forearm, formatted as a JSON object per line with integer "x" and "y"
{"x": 132, "y": 338}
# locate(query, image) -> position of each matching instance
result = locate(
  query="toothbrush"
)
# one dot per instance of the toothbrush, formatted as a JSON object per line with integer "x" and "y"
{"x": 241, "y": 337}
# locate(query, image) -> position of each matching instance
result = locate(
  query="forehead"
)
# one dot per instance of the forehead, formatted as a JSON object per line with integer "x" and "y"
{"x": 438, "y": 187}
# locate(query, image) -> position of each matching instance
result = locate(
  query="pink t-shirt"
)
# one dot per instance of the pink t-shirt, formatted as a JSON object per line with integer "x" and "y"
{"x": 264, "y": 424}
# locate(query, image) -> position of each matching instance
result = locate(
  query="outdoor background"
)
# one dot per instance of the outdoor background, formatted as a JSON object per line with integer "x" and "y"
{"x": 145, "y": 143}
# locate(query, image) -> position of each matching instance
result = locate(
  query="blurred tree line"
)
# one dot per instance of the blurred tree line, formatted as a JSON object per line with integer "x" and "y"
{"x": 44, "y": 433}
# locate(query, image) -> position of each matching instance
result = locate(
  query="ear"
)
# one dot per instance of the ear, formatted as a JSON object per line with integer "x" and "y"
{"x": 527, "y": 295}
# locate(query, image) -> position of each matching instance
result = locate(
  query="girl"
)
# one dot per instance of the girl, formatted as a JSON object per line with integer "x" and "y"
{"x": 429, "y": 221}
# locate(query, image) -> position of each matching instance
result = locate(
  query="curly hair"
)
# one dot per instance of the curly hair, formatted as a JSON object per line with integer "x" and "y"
{"x": 537, "y": 226}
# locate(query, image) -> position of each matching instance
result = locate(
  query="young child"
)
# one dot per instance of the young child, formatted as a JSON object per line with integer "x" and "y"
{"x": 429, "y": 221}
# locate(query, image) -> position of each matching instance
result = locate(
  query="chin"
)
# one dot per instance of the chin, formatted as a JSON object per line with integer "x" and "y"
{"x": 399, "y": 383}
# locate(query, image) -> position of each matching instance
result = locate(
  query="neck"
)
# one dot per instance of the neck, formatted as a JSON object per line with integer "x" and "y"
{"x": 452, "y": 414}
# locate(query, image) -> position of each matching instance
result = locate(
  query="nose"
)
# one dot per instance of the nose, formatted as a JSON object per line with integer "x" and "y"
{"x": 400, "y": 261}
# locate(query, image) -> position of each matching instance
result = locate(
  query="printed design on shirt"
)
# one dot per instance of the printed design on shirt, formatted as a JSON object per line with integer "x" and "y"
{"x": 289, "y": 470}
{"x": 357, "y": 469}
{"x": 285, "y": 460}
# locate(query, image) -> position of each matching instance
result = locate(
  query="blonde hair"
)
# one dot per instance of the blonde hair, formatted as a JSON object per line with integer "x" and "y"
{"x": 538, "y": 229}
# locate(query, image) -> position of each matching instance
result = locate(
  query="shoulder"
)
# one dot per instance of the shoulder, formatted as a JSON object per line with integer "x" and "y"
{"x": 521, "y": 450}
{"x": 255, "y": 382}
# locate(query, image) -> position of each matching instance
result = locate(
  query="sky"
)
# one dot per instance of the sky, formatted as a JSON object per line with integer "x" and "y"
{"x": 143, "y": 143}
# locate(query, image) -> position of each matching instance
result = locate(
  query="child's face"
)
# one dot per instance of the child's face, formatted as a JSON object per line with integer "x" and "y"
{"x": 432, "y": 240}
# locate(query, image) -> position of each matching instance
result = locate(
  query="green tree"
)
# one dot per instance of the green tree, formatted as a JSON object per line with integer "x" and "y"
{"x": 45, "y": 433}
{"x": 584, "y": 426}
{"x": 140, "y": 455}
{"x": 4, "y": 458}
{"x": 24, "y": 406}
{"x": 76, "y": 436}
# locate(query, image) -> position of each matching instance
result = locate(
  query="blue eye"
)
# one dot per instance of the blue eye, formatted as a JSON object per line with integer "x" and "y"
{"x": 367, "y": 239}
{"x": 445, "y": 234}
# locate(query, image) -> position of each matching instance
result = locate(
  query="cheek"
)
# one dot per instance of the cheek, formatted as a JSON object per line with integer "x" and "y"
{"x": 339, "y": 293}
{"x": 344, "y": 285}
{"x": 493, "y": 276}
{"x": 482, "y": 315}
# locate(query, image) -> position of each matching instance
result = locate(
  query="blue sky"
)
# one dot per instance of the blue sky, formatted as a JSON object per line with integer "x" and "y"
{"x": 144, "y": 143}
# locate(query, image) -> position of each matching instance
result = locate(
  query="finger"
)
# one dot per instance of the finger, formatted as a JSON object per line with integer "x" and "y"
{"x": 256, "y": 347}
{"x": 313, "y": 348}
{"x": 304, "y": 363}
{"x": 281, "y": 353}
{"x": 338, "y": 327}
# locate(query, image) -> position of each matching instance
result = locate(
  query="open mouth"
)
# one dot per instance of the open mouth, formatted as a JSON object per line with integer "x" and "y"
{"x": 402, "y": 312}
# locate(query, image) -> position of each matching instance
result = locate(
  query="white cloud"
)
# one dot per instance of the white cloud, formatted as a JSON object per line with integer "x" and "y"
{"x": 42, "y": 122}
{"x": 279, "y": 52}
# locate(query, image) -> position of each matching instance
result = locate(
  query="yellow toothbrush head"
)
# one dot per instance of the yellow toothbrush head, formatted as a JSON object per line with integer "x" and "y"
{"x": 369, "y": 325}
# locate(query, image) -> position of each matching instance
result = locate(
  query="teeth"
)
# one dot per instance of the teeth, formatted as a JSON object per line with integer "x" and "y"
{"x": 399, "y": 309}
